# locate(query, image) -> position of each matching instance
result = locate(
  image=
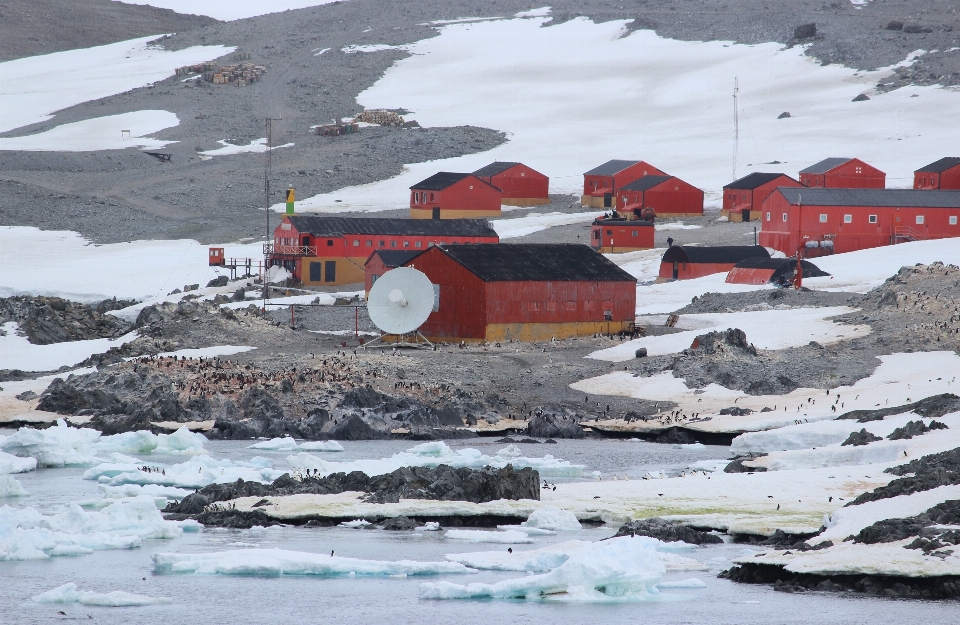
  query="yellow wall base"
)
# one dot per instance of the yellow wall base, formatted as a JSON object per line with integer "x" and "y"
{"x": 595, "y": 202}
{"x": 524, "y": 201}
{"x": 349, "y": 271}
{"x": 420, "y": 213}
{"x": 608, "y": 249}
{"x": 499, "y": 332}
{"x": 672, "y": 215}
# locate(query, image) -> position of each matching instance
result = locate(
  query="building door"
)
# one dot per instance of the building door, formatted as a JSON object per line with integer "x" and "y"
{"x": 330, "y": 273}
{"x": 676, "y": 270}
{"x": 316, "y": 272}
{"x": 607, "y": 200}
{"x": 745, "y": 214}
{"x": 436, "y": 212}
{"x": 306, "y": 241}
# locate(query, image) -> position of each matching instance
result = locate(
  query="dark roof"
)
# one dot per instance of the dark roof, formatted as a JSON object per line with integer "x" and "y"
{"x": 825, "y": 165}
{"x": 781, "y": 266}
{"x": 725, "y": 254}
{"x": 943, "y": 164}
{"x": 871, "y": 197}
{"x": 621, "y": 222}
{"x": 494, "y": 168}
{"x": 395, "y": 258}
{"x": 752, "y": 181}
{"x": 440, "y": 180}
{"x": 564, "y": 262}
{"x": 645, "y": 183}
{"x": 323, "y": 226}
{"x": 610, "y": 167}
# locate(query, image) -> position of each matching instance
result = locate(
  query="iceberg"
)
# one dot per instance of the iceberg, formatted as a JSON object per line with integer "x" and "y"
{"x": 435, "y": 453}
{"x": 274, "y": 562}
{"x": 625, "y": 569}
{"x": 14, "y": 464}
{"x": 10, "y": 487}
{"x": 68, "y": 593}
{"x": 508, "y": 537}
{"x": 195, "y": 473}
{"x": 552, "y": 518}
{"x": 26, "y": 534}
{"x": 289, "y": 444}
{"x": 181, "y": 442}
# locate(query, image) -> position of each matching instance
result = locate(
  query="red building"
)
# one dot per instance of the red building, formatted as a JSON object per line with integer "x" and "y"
{"x": 332, "y": 250}
{"x": 843, "y": 173}
{"x": 600, "y": 184}
{"x": 943, "y": 174}
{"x": 520, "y": 185}
{"x": 612, "y": 235}
{"x": 687, "y": 262}
{"x": 742, "y": 199}
{"x": 382, "y": 261}
{"x": 526, "y": 292}
{"x": 760, "y": 271}
{"x": 448, "y": 195}
{"x": 846, "y": 220}
{"x": 668, "y": 196}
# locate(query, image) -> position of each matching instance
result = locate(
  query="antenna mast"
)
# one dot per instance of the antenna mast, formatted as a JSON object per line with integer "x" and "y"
{"x": 267, "y": 175}
{"x": 736, "y": 122}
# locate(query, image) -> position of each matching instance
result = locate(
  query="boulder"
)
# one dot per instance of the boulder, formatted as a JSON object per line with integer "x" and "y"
{"x": 895, "y": 25}
{"x": 667, "y": 531}
{"x": 805, "y": 31}
{"x": 554, "y": 426}
{"x": 858, "y": 439}
{"x": 784, "y": 115}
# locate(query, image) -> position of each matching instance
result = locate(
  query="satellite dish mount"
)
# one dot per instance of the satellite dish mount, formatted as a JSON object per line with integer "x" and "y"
{"x": 399, "y": 303}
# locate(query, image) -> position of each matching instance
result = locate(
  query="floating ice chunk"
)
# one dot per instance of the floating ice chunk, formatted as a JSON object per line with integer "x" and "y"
{"x": 10, "y": 487}
{"x": 321, "y": 446}
{"x": 135, "y": 490}
{"x": 614, "y": 570}
{"x": 356, "y": 524}
{"x": 183, "y": 441}
{"x": 283, "y": 562}
{"x": 433, "y": 454}
{"x": 510, "y": 451}
{"x": 429, "y": 526}
{"x": 552, "y": 518}
{"x": 529, "y": 531}
{"x": 693, "y": 582}
{"x": 195, "y": 473}
{"x": 509, "y": 537}
{"x": 26, "y": 534}
{"x": 14, "y": 464}
{"x": 57, "y": 446}
{"x": 276, "y": 444}
{"x": 68, "y": 593}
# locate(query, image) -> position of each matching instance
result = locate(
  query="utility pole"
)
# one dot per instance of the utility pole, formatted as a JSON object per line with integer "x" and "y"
{"x": 798, "y": 272}
{"x": 736, "y": 122}
{"x": 267, "y": 174}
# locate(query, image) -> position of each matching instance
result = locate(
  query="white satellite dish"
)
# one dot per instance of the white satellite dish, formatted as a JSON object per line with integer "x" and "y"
{"x": 400, "y": 301}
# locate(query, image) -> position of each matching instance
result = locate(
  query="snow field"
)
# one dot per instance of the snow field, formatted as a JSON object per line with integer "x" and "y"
{"x": 99, "y": 133}
{"x": 35, "y": 87}
{"x": 764, "y": 329}
{"x": 535, "y": 222}
{"x": 849, "y": 520}
{"x": 229, "y": 10}
{"x": 68, "y": 593}
{"x": 898, "y": 380}
{"x": 26, "y": 534}
{"x": 275, "y": 562}
{"x": 17, "y": 352}
{"x": 516, "y": 77}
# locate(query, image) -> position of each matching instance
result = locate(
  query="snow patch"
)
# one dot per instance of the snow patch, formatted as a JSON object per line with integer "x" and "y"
{"x": 112, "y": 132}
{"x": 257, "y": 146}
{"x": 535, "y": 222}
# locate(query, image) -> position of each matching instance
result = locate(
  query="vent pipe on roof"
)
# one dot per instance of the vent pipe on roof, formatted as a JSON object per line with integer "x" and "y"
{"x": 290, "y": 200}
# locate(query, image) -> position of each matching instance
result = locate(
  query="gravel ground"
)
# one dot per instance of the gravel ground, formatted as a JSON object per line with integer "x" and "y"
{"x": 119, "y": 196}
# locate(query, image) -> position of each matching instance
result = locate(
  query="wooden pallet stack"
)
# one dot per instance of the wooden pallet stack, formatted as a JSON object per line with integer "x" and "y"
{"x": 379, "y": 117}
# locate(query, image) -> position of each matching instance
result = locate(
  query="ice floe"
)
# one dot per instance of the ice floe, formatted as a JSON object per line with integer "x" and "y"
{"x": 10, "y": 487}
{"x": 68, "y": 593}
{"x": 274, "y": 562}
{"x": 625, "y": 569}
{"x": 693, "y": 582}
{"x": 197, "y": 472}
{"x": 505, "y": 537}
{"x": 552, "y": 518}
{"x": 15, "y": 464}
{"x": 435, "y": 453}
{"x": 26, "y": 534}
{"x": 287, "y": 443}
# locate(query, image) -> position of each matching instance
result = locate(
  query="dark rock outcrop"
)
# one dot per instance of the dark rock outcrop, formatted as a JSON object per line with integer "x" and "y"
{"x": 399, "y": 524}
{"x": 932, "y": 407}
{"x": 667, "y": 531}
{"x": 928, "y": 472}
{"x": 915, "y": 428}
{"x": 892, "y": 530}
{"x": 858, "y": 439}
{"x": 736, "y": 465}
{"x": 48, "y": 320}
{"x": 805, "y": 31}
{"x": 554, "y": 426}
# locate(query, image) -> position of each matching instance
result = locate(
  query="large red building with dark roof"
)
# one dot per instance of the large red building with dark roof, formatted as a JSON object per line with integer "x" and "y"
{"x": 943, "y": 175}
{"x": 668, "y": 196}
{"x": 743, "y": 197}
{"x": 519, "y": 185}
{"x": 525, "y": 292}
{"x": 843, "y": 173}
{"x": 600, "y": 184}
{"x": 450, "y": 195}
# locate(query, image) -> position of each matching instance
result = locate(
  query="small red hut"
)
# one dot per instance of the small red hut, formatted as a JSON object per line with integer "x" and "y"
{"x": 742, "y": 198}
{"x": 843, "y": 173}
{"x": 668, "y": 196}
{"x": 943, "y": 174}
{"x": 616, "y": 235}
{"x": 449, "y": 195}
{"x": 687, "y": 262}
{"x": 600, "y": 184}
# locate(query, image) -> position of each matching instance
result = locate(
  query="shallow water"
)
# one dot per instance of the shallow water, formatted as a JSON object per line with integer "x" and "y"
{"x": 291, "y": 599}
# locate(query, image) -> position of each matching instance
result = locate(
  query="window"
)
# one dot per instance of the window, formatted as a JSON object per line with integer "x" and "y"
{"x": 634, "y": 233}
{"x": 848, "y": 219}
{"x": 784, "y": 216}
{"x": 596, "y": 234}
{"x": 953, "y": 220}
{"x": 373, "y": 279}
{"x": 533, "y": 306}
{"x": 823, "y": 218}
{"x": 436, "y": 297}
{"x": 609, "y": 233}
{"x": 419, "y": 243}
{"x": 872, "y": 219}
{"x": 431, "y": 197}
{"x": 393, "y": 244}
{"x": 356, "y": 243}
{"x": 768, "y": 216}
{"x": 285, "y": 226}
{"x": 406, "y": 244}
{"x": 329, "y": 242}
{"x": 369, "y": 243}
{"x": 859, "y": 170}
{"x": 382, "y": 244}
{"x": 570, "y": 305}
{"x": 330, "y": 271}
{"x": 919, "y": 220}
